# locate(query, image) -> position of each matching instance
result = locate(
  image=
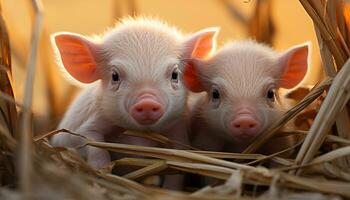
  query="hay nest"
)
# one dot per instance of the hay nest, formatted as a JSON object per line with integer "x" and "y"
{"x": 31, "y": 169}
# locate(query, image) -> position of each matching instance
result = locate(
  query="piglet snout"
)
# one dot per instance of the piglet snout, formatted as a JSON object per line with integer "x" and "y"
{"x": 245, "y": 126}
{"x": 147, "y": 110}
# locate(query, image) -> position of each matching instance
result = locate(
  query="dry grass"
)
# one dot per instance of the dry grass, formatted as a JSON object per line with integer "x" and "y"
{"x": 319, "y": 170}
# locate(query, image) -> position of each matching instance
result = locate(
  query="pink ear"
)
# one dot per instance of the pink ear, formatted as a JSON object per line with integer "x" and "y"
{"x": 202, "y": 43}
{"x": 191, "y": 76}
{"x": 198, "y": 46}
{"x": 77, "y": 55}
{"x": 294, "y": 65}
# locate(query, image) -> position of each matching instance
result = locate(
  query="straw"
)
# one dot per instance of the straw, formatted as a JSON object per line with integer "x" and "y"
{"x": 26, "y": 123}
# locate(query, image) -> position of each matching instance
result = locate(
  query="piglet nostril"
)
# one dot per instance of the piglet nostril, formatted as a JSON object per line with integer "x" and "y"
{"x": 245, "y": 126}
{"x": 244, "y": 122}
{"x": 147, "y": 111}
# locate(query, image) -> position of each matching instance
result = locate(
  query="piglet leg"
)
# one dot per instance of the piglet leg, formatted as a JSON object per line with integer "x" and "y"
{"x": 96, "y": 131}
{"x": 97, "y": 157}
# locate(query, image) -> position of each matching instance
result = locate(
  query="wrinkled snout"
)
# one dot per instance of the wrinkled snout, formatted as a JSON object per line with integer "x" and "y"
{"x": 245, "y": 126}
{"x": 147, "y": 110}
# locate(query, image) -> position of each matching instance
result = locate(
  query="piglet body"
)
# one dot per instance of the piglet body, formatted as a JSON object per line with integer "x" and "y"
{"x": 239, "y": 86}
{"x": 135, "y": 83}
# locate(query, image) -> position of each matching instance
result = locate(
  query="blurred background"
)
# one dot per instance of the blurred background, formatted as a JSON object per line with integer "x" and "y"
{"x": 278, "y": 23}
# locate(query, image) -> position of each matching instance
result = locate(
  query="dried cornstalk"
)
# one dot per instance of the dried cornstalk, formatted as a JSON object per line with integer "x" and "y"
{"x": 343, "y": 121}
{"x": 26, "y": 122}
{"x": 261, "y": 26}
{"x": 335, "y": 101}
{"x": 329, "y": 36}
{"x": 8, "y": 114}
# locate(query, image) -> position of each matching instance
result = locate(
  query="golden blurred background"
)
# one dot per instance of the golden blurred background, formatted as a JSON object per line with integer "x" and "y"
{"x": 278, "y": 22}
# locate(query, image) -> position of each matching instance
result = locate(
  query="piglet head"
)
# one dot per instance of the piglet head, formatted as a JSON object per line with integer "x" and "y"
{"x": 139, "y": 64}
{"x": 241, "y": 82}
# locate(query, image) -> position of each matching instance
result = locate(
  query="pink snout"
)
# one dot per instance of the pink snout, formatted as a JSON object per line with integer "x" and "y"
{"x": 147, "y": 110}
{"x": 245, "y": 126}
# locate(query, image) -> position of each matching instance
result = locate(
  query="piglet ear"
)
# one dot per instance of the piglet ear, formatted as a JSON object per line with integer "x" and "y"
{"x": 77, "y": 55}
{"x": 199, "y": 46}
{"x": 192, "y": 76}
{"x": 293, "y": 65}
{"x": 202, "y": 43}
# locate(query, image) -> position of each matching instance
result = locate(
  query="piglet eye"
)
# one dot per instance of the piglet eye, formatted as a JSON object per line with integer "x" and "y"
{"x": 175, "y": 75}
{"x": 215, "y": 94}
{"x": 271, "y": 95}
{"x": 115, "y": 82}
{"x": 175, "y": 78}
{"x": 115, "y": 76}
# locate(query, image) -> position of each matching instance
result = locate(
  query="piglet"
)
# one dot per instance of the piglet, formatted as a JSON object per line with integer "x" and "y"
{"x": 238, "y": 94}
{"x": 134, "y": 72}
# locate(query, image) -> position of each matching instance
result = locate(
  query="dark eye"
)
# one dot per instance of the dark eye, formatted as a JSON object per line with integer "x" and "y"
{"x": 271, "y": 95}
{"x": 115, "y": 76}
{"x": 215, "y": 94}
{"x": 175, "y": 76}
